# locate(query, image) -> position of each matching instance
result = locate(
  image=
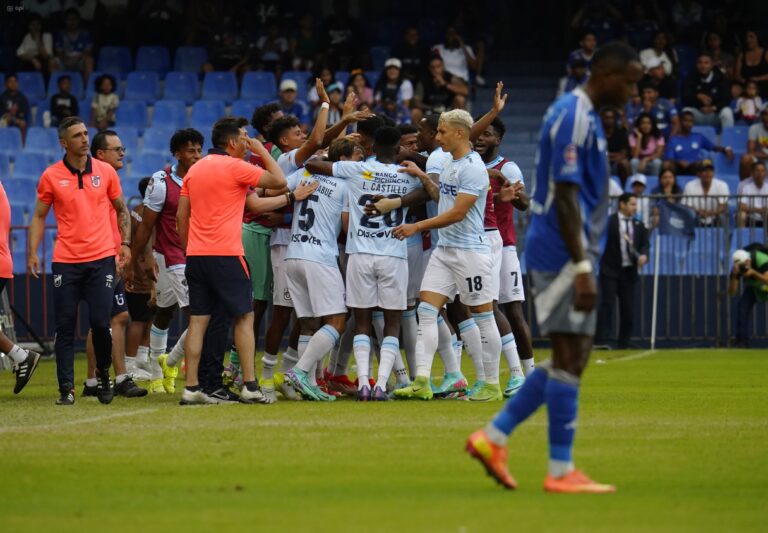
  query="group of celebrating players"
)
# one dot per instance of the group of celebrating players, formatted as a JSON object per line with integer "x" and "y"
{"x": 366, "y": 238}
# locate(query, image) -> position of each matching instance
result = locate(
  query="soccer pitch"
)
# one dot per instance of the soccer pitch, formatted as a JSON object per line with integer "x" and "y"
{"x": 682, "y": 433}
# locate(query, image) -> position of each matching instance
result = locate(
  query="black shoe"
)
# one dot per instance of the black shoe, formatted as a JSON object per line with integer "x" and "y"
{"x": 67, "y": 395}
{"x": 89, "y": 390}
{"x": 129, "y": 389}
{"x": 223, "y": 395}
{"x": 104, "y": 387}
{"x": 24, "y": 370}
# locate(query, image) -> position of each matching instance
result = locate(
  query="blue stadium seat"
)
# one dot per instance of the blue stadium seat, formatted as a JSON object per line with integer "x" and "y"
{"x": 131, "y": 113}
{"x": 372, "y": 76}
{"x": 42, "y": 141}
{"x": 342, "y": 77}
{"x": 157, "y": 140}
{"x": 744, "y": 236}
{"x": 21, "y": 191}
{"x": 724, "y": 167}
{"x": 301, "y": 77}
{"x": 735, "y": 137}
{"x": 153, "y": 59}
{"x": 258, "y": 86}
{"x": 10, "y": 141}
{"x": 208, "y": 111}
{"x": 143, "y": 86}
{"x": 32, "y": 85}
{"x": 181, "y": 86}
{"x": 45, "y": 250}
{"x": 130, "y": 185}
{"x": 707, "y": 131}
{"x": 76, "y": 78}
{"x": 389, "y": 31}
{"x": 379, "y": 55}
{"x": 190, "y": 58}
{"x": 115, "y": 59}
{"x": 19, "y": 215}
{"x": 17, "y": 242}
{"x": 41, "y": 107}
{"x": 673, "y": 251}
{"x": 732, "y": 180}
{"x": 220, "y": 86}
{"x": 148, "y": 163}
{"x": 129, "y": 137}
{"x": 5, "y": 167}
{"x": 170, "y": 113}
{"x": 686, "y": 58}
{"x": 2, "y": 78}
{"x": 86, "y": 111}
{"x": 245, "y": 108}
{"x": 29, "y": 165}
{"x": 204, "y": 126}
{"x": 682, "y": 180}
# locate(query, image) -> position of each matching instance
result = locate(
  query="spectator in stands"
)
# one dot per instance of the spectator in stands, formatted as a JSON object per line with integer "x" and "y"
{"x": 290, "y": 105}
{"x": 707, "y": 195}
{"x": 638, "y": 184}
{"x": 327, "y": 77}
{"x": 659, "y": 54}
{"x": 303, "y": 45}
{"x": 392, "y": 109}
{"x": 747, "y": 107}
{"x": 646, "y": 144}
{"x": 438, "y": 91}
{"x": 721, "y": 59}
{"x": 751, "y": 263}
{"x": 14, "y": 107}
{"x": 665, "y": 85}
{"x": 359, "y": 86}
{"x": 458, "y": 57}
{"x": 336, "y": 111}
{"x": 63, "y": 104}
{"x": 105, "y": 102}
{"x": 341, "y": 42}
{"x": 413, "y": 55}
{"x": 753, "y": 201}
{"x": 477, "y": 29}
{"x": 585, "y": 51}
{"x": 666, "y": 191}
{"x": 272, "y": 50}
{"x": 633, "y": 107}
{"x": 752, "y": 63}
{"x": 618, "y": 144}
{"x": 36, "y": 49}
{"x": 685, "y": 149}
{"x": 706, "y": 94}
{"x": 74, "y": 46}
{"x": 393, "y": 84}
{"x": 577, "y": 76}
{"x": 757, "y": 144}
{"x": 663, "y": 111}
{"x": 626, "y": 252}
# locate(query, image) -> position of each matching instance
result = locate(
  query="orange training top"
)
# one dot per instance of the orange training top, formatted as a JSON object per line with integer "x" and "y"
{"x": 82, "y": 204}
{"x": 6, "y": 260}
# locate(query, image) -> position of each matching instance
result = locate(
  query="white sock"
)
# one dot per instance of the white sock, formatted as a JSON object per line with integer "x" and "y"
{"x": 158, "y": 341}
{"x": 319, "y": 344}
{"x": 378, "y": 325}
{"x": 560, "y": 468}
{"x": 410, "y": 327}
{"x": 362, "y": 348}
{"x": 509, "y": 349}
{"x": 17, "y": 354}
{"x": 491, "y": 339}
{"x": 302, "y": 346}
{"x": 269, "y": 362}
{"x": 155, "y": 370}
{"x": 427, "y": 339}
{"x": 290, "y": 357}
{"x": 401, "y": 373}
{"x": 91, "y": 382}
{"x": 445, "y": 345}
{"x": 458, "y": 347}
{"x": 119, "y": 379}
{"x": 142, "y": 355}
{"x": 130, "y": 363}
{"x": 470, "y": 334}
{"x": 390, "y": 349}
{"x": 529, "y": 365}
{"x": 177, "y": 353}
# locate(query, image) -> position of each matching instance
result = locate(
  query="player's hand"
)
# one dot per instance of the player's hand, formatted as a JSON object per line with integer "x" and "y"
{"x": 321, "y": 94}
{"x": 124, "y": 259}
{"x": 152, "y": 302}
{"x": 357, "y": 116}
{"x": 303, "y": 191}
{"x": 405, "y": 231}
{"x": 642, "y": 260}
{"x": 385, "y": 205}
{"x": 349, "y": 106}
{"x": 370, "y": 208}
{"x": 729, "y": 154}
{"x": 33, "y": 264}
{"x": 254, "y": 145}
{"x": 354, "y": 137}
{"x": 499, "y": 100}
{"x": 586, "y": 292}
{"x": 411, "y": 168}
{"x": 510, "y": 191}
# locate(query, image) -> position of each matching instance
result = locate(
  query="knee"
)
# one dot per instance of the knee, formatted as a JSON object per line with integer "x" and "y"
{"x": 120, "y": 320}
{"x": 427, "y": 313}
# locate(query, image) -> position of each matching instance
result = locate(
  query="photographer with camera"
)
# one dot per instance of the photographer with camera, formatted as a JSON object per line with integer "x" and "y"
{"x": 751, "y": 264}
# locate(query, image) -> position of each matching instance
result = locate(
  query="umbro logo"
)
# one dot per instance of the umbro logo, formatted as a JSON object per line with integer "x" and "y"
{"x": 110, "y": 279}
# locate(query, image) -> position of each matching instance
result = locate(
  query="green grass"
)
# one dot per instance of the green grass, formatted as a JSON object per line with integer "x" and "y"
{"x": 682, "y": 433}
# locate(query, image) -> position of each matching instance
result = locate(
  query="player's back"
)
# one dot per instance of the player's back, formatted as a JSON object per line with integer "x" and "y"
{"x": 572, "y": 149}
{"x": 317, "y": 221}
{"x": 465, "y": 175}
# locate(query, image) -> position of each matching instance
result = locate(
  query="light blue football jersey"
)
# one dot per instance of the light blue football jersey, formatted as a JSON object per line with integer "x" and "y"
{"x": 436, "y": 162}
{"x": 466, "y": 175}
{"x": 317, "y": 221}
{"x": 366, "y": 180}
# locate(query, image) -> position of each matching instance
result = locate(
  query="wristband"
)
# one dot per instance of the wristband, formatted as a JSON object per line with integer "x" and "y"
{"x": 287, "y": 198}
{"x": 325, "y": 105}
{"x": 125, "y": 244}
{"x": 582, "y": 267}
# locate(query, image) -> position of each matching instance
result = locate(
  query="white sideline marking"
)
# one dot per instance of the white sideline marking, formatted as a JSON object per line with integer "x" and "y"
{"x": 11, "y": 429}
{"x": 634, "y": 356}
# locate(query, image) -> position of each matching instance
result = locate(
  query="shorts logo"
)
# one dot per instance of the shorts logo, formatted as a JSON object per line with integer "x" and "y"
{"x": 120, "y": 299}
{"x": 96, "y": 181}
{"x": 515, "y": 292}
{"x": 286, "y": 295}
{"x": 57, "y": 280}
{"x": 110, "y": 278}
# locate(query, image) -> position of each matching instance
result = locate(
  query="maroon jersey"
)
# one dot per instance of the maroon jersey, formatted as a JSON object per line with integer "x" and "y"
{"x": 504, "y": 210}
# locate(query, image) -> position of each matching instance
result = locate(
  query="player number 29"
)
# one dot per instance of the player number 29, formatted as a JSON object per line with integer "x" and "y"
{"x": 391, "y": 219}
{"x": 475, "y": 284}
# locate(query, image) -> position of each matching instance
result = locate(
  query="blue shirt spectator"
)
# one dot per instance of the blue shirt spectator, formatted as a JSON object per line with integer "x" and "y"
{"x": 686, "y": 149}
{"x": 291, "y": 105}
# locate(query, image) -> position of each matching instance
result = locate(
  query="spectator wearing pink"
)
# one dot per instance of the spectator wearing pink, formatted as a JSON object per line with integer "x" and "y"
{"x": 359, "y": 85}
{"x": 646, "y": 144}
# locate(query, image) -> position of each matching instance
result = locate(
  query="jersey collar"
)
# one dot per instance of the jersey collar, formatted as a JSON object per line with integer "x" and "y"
{"x": 494, "y": 162}
{"x": 73, "y": 170}
{"x": 174, "y": 176}
{"x": 217, "y": 151}
{"x": 581, "y": 95}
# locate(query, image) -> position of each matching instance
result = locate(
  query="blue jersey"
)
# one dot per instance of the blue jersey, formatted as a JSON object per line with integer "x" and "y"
{"x": 466, "y": 175}
{"x": 572, "y": 149}
{"x": 317, "y": 221}
{"x": 688, "y": 148}
{"x": 366, "y": 180}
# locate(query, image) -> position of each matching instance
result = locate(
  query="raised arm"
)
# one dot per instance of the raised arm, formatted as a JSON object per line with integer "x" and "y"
{"x": 273, "y": 177}
{"x": 427, "y": 182}
{"x": 324, "y": 168}
{"x": 349, "y": 116}
{"x": 256, "y": 204}
{"x": 36, "y": 226}
{"x": 499, "y": 101}
{"x": 315, "y": 140}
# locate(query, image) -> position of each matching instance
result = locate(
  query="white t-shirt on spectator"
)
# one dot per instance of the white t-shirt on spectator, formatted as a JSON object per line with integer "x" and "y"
{"x": 455, "y": 60}
{"x": 694, "y": 189}
{"x": 758, "y": 197}
{"x": 649, "y": 53}
{"x": 28, "y": 45}
{"x": 758, "y": 134}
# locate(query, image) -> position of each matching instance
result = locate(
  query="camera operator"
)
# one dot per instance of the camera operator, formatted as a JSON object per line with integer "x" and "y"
{"x": 751, "y": 264}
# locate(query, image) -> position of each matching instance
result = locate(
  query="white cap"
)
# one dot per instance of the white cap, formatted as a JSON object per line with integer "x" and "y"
{"x": 288, "y": 85}
{"x": 653, "y": 62}
{"x": 393, "y": 62}
{"x": 739, "y": 256}
{"x": 637, "y": 178}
